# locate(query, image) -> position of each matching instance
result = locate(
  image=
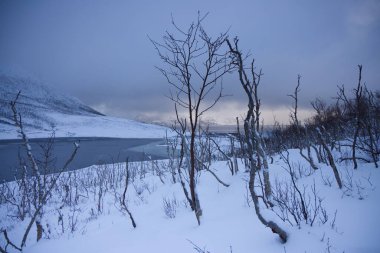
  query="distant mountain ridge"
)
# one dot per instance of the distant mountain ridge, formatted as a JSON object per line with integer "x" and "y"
{"x": 44, "y": 110}
{"x": 35, "y": 101}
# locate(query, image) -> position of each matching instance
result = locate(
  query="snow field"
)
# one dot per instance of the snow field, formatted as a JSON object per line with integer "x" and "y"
{"x": 228, "y": 222}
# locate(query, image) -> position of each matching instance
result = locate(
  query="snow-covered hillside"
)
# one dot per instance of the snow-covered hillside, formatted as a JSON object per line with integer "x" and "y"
{"x": 43, "y": 111}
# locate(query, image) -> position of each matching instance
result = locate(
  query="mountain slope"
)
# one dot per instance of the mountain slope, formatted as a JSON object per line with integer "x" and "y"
{"x": 44, "y": 111}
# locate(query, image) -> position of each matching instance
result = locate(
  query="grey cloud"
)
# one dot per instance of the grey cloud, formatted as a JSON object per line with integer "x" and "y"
{"x": 99, "y": 50}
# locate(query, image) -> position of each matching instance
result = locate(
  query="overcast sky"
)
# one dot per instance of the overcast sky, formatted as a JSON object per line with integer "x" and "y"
{"x": 98, "y": 50}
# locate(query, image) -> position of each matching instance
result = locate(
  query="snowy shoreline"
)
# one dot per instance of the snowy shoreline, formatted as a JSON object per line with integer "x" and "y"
{"x": 89, "y": 126}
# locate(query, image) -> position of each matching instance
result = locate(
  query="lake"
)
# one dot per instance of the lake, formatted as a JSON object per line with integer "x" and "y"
{"x": 92, "y": 151}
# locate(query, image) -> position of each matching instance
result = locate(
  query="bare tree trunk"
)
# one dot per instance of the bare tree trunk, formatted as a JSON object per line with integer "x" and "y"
{"x": 241, "y": 141}
{"x": 355, "y": 107}
{"x": 182, "y": 156}
{"x": 39, "y": 229}
{"x": 330, "y": 158}
{"x": 252, "y": 139}
{"x": 272, "y": 225}
{"x": 353, "y": 147}
{"x": 371, "y": 125}
{"x": 123, "y": 204}
{"x": 373, "y": 146}
{"x": 317, "y": 153}
{"x": 262, "y": 154}
{"x": 233, "y": 151}
{"x": 194, "y": 196}
{"x": 358, "y": 101}
{"x": 262, "y": 157}
{"x": 308, "y": 158}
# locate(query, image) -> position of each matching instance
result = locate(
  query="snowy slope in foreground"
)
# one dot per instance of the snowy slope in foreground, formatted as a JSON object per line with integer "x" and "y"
{"x": 43, "y": 110}
{"x": 229, "y": 223}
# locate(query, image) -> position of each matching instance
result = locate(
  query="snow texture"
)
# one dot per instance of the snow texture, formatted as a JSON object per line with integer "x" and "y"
{"x": 228, "y": 221}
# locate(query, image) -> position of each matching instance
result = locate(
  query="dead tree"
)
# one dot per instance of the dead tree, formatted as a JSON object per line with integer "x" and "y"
{"x": 358, "y": 123}
{"x": 38, "y": 189}
{"x": 300, "y": 132}
{"x": 42, "y": 190}
{"x": 241, "y": 142}
{"x": 354, "y": 107}
{"x": 234, "y": 166}
{"x": 195, "y": 64}
{"x": 330, "y": 158}
{"x": 372, "y": 127}
{"x": 253, "y": 141}
{"x": 122, "y": 199}
{"x": 322, "y": 134}
{"x": 251, "y": 124}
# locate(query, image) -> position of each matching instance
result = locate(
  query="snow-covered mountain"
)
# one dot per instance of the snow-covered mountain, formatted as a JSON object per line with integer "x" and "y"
{"x": 43, "y": 111}
{"x": 35, "y": 101}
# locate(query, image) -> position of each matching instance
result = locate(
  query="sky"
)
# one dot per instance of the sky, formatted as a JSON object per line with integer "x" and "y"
{"x": 99, "y": 50}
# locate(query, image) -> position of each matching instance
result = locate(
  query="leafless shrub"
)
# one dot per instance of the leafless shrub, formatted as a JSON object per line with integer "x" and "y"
{"x": 172, "y": 151}
{"x": 42, "y": 185}
{"x": 200, "y": 250}
{"x": 297, "y": 205}
{"x": 355, "y": 187}
{"x": 123, "y": 198}
{"x": 73, "y": 219}
{"x": 158, "y": 171}
{"x": 17, "y": 195}
{"x": 333, "y": 221}
{"x": 170, "y": 206}
{"x": 326, "y": 179}
{"x": 299, "y": 171}
{"x": 328, "y": 246}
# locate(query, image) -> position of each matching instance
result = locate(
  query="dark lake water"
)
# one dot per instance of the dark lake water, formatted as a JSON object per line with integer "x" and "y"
{"x": 92, "y": 151}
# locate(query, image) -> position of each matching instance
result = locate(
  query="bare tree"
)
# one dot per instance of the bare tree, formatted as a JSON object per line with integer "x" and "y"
{"x": 361, "y": 113}
{"x": 358, "y": 123}
{"x": 356, "y": 107}
{"x": 371, "y": 126}
{"x": 42, "y": 189}
{"x": 195, "y": 64}
{"x": 301, "y": 136}
{"x": 122, "y": 199}
{"x": 253, "y": 142}
{"x": 330, "y": 158}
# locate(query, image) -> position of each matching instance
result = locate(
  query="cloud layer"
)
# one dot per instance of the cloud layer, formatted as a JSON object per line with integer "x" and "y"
{"x": 99, "y": 50}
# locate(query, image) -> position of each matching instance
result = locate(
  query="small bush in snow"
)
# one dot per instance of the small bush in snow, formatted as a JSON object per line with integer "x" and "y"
{"x": 170, "y": 207}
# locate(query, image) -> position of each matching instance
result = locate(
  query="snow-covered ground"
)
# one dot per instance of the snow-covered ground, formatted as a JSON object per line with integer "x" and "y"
{"x": 89, "y": 126}
{"x": 228, "y": 224}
